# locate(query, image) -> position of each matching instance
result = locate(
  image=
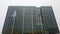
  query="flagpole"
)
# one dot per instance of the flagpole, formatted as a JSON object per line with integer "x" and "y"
{"x": 14, "y": 15}
{"x": 42, "y": 27}
{"x": 41, "y": 24}
{"x": 13, "y": 26}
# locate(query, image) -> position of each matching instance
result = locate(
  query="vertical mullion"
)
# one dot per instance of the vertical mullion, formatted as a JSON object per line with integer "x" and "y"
{"x": 32, "y": 22}
{"x": 23, "y": 21}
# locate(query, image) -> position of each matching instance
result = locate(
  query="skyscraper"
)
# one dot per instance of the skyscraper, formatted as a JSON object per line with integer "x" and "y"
{"x": 30, "y": 20}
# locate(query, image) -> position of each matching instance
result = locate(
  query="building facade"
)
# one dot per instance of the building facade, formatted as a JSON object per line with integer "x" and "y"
{"x": 48, "y": 19}
{"x": 30, "y": 20}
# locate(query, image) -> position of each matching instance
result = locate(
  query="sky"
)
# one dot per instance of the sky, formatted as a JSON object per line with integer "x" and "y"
{"x": 5, "y": 3}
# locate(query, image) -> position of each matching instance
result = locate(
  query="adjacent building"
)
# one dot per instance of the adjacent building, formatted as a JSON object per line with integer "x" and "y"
{"x": 30, "y": 20}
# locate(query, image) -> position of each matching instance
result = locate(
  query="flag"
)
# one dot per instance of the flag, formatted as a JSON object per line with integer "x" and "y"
{"x": 14, "y": 14}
